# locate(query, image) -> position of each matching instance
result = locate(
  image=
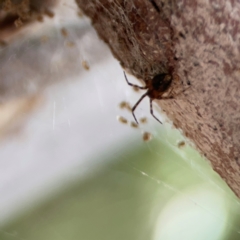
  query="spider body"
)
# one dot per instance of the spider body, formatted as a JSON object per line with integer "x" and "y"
{"x": 155, "y": 90}
{"x": 159, "y": 85}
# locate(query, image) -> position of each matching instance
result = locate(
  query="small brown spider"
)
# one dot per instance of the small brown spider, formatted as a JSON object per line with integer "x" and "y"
{"x": 181, "y": 144}
{"x": 147, "y": 136}
{"x": 156, "y": 88}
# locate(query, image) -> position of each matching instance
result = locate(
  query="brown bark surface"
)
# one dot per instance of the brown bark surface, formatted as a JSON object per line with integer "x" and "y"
{"x": 197, "y": 40}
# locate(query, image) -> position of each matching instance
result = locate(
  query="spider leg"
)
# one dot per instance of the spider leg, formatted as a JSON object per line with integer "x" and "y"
{"x": 184, "y": 90}
{"x": 134, "y": 107}
{"x": 133, "y": 85}
{"x": 177, "y": 94}
{"x": 151, "y": 110}
{"x": 169, "y": 95}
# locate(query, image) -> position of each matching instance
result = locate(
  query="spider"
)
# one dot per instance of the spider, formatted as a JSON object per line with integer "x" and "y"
{"x": 156, "y": 88}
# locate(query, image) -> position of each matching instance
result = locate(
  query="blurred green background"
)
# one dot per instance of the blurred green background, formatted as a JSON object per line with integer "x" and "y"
{"x": 151, "y": 190}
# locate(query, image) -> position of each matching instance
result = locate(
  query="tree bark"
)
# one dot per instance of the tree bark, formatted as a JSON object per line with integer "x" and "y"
{"x": 197, "y": 40}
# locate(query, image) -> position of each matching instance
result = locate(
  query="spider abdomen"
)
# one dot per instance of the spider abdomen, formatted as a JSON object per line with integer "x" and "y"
{"x": 161, "y": 82}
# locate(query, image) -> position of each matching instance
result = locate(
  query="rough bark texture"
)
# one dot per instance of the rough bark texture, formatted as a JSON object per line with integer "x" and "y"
{"x": 197, "y": 40}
